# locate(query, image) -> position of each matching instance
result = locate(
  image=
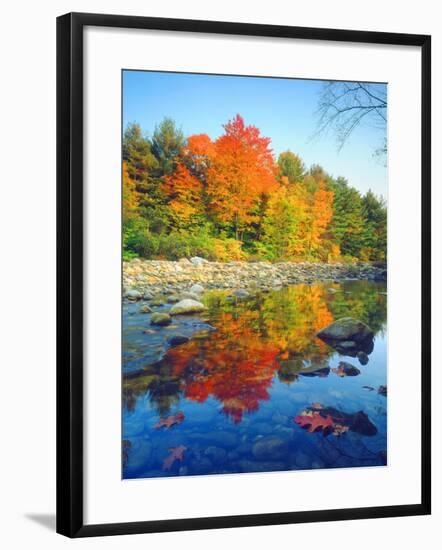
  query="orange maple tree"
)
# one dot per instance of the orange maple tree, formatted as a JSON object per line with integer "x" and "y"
{"x": 184, "y": 192}
{"x": 242, "y": 170}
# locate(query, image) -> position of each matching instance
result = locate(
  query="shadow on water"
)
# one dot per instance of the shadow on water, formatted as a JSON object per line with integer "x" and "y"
{"x": 250, "y": 377}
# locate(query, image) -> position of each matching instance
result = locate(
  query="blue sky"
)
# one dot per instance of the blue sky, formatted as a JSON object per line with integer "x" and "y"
{"x": 283, "y": 109}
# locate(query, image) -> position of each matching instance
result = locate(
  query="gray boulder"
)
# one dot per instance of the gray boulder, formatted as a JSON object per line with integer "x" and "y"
{"x": 346, "y": 329}
{"x": 187, "y": 306}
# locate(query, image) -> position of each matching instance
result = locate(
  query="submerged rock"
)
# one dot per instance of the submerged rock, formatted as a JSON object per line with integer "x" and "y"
{"x": 346, "y": 329}
{"x": 187, "y": 306}
{"x": 216, "y": 454}
{"x": 363, "y": 357}
{"x": 356, "y": 422}
{"x": 270, "y": 448}
{"x": 224, "y": 438}
{"x": 160, "y": 319}
{"x": 145, "y": 309}
{"x": 312, "y": 371}
{"x": 382, "y": 390}
{"x": 178, "y": 339}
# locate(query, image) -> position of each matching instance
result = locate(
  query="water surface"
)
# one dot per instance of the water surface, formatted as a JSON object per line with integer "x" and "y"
{"x": 251, "y": 366}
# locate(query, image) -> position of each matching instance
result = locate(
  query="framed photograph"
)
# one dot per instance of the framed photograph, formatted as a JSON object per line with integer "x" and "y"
{"x": 243, "y": 274}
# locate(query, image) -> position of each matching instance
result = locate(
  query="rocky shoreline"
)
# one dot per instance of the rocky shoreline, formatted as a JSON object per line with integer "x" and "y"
{"x": 166, "y": 277}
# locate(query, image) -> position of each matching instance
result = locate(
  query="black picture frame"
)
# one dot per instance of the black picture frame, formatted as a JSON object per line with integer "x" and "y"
{"x": 70, "y": 273}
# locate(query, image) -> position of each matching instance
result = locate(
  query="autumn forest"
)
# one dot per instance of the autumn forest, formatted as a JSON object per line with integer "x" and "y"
{"x": 232, "y": 199}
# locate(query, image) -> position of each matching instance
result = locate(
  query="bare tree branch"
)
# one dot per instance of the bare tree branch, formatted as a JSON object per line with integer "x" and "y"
{"x": 343, "y": 106}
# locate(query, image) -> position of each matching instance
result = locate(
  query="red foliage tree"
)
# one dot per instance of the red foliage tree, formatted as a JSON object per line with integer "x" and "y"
{"x": 241, "y": 171}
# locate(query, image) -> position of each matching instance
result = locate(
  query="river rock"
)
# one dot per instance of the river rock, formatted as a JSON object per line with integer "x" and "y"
{"x": 158, "y": 301}
{"x": 173, "y": 299}
{"x": 145, "y": 309}
{"x": 187, "y": 306}
{"x": 178, "y": 339}
{"x": 189, "y": 296}
{"x": 224, "y": 439}
{"x": 196, "y": 260}
{"x": 160, "y": 319}
{"x": 348, "y": 345}
{"x": 363, "y": 357}
{"x": 196, "y": 289}
{"x": 348, "y": 369}
{"x": 241, "y": 293}
{"x": 361, "y": 424}
{"x": 270, "y": 448}
{"x": 133, "y": 295}
{"x": 216, "y": 454}
{"x": 346, "y": 329}
{"x": 153, "y": 276}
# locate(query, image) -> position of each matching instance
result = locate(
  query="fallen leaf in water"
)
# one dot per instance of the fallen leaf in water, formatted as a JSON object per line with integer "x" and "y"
{"x": 313, "y": 421}
{"x": 176, "y": 453}
{"x": 169, "y": 421}
{"x": 341, "y": 421}
{"x": 369, "y": 388}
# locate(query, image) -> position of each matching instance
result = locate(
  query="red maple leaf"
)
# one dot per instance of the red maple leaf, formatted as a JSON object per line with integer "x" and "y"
{"x": 176, "y": 453}
{"x": 313, "y": 421}
{"x": 169, "y": 421}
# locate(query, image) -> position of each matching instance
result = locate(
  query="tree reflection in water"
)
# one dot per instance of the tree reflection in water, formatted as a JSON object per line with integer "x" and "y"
{"x": 255, "y": 339}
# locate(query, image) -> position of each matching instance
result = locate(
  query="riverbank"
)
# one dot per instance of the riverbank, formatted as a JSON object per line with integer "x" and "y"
{"x": 156, "y": 276}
